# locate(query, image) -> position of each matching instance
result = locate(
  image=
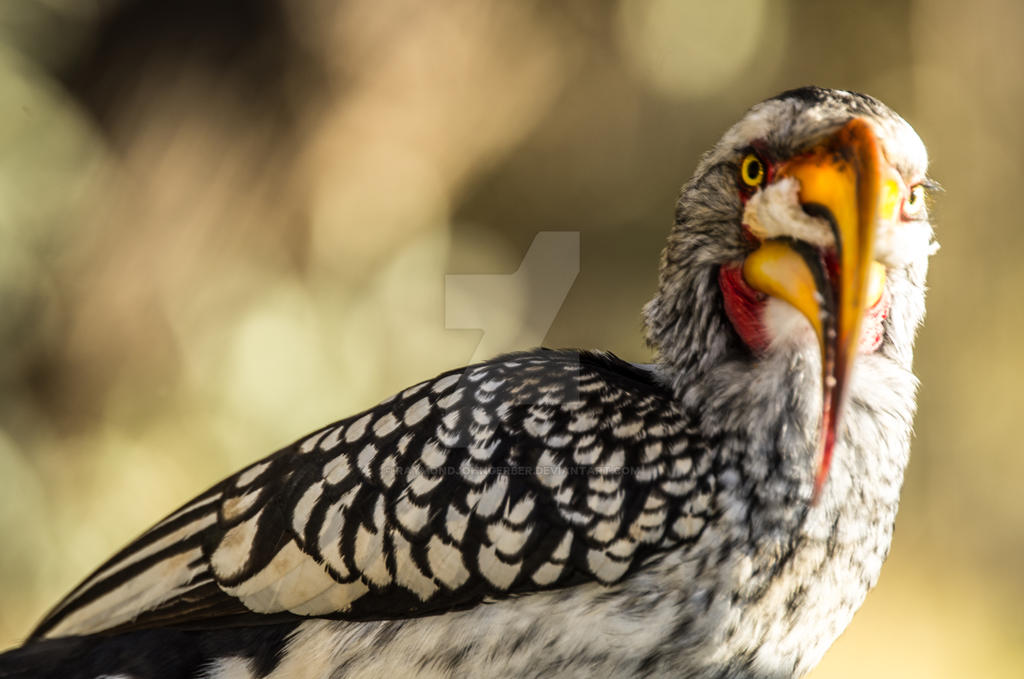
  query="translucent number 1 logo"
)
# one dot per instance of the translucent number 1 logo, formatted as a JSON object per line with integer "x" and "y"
{"x": 491, "y": 302}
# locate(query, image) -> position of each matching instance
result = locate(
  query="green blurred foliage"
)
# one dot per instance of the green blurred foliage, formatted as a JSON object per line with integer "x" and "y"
{"x": 206, "y": 251}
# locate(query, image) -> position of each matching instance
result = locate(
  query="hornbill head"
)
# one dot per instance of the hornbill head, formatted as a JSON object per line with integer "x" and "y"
{"x": 804, "y": 231}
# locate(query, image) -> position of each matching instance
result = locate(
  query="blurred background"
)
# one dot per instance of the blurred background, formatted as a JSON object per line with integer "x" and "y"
{"x": 223, "y": 224}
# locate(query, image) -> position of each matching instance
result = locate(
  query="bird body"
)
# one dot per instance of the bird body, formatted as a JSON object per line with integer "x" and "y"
{"x": 719, "y": 513}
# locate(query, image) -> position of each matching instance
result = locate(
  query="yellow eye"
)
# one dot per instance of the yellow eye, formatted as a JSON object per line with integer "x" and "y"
{"x": 913, "y": 205}
{"x": 752, "y": 170}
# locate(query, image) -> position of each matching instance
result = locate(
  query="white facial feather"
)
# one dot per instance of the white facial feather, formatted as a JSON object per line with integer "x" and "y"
{"x": 786, "y": 327}
{"x": 775, "y": 212}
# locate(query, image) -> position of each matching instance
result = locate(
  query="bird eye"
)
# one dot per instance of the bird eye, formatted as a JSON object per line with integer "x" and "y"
{"x": 913, "y": 205}
{"x": 752, "y": 170}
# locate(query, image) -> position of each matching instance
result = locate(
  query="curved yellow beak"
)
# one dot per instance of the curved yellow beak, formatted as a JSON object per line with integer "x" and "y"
{"x": 847, "y": 181}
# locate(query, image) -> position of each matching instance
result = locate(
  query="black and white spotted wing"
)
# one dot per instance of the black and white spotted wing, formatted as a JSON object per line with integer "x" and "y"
{"x": 532, "y": 471}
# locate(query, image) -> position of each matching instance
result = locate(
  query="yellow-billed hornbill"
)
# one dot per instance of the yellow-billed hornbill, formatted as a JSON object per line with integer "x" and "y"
{"x": 719, "y": 513}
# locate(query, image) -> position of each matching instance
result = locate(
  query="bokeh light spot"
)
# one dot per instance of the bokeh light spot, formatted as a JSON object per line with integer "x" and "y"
{"x": 676, "y": 47}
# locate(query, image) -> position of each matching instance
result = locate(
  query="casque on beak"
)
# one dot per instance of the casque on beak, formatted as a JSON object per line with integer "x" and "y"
{"x": 847, "y": 181}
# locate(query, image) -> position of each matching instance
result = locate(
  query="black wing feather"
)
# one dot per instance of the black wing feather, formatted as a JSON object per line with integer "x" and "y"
{"x": 532, "y": 471}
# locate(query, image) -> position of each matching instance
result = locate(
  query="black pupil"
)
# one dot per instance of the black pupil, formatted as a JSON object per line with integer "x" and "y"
{"x": 753, "y": 170}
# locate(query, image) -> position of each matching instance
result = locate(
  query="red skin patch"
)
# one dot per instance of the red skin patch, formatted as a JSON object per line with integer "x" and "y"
{"x": 745, "y": 308}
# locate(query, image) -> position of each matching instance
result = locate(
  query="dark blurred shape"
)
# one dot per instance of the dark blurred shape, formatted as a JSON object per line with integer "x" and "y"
{"x": 248, "y": 47}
